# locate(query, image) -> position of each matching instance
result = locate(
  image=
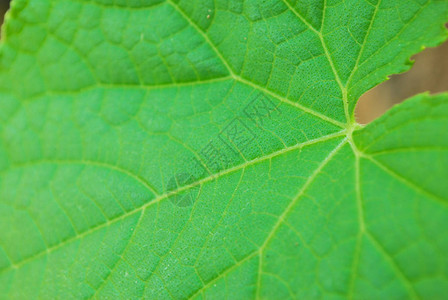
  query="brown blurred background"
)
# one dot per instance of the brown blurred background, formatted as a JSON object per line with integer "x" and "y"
{"x": 4, "y": 5}
{"x": 429, "y": 73}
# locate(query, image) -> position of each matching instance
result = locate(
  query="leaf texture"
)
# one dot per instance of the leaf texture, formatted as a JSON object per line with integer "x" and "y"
{"x": 208, "y": 150}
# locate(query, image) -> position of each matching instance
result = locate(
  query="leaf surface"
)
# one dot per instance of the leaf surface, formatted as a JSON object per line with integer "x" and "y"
{"x": 207, "y": 149}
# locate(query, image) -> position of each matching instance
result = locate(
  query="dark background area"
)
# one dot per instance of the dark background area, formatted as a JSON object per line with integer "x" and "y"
{"x": 429, "y": 73}
{"x": 4, "y": 5}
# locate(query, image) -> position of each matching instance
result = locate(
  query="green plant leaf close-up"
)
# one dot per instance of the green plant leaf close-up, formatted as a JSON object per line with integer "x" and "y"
{"x": 208, "y": 149}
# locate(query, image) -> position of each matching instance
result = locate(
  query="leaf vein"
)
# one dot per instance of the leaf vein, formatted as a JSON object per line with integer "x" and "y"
{"x": 174, "y": 192}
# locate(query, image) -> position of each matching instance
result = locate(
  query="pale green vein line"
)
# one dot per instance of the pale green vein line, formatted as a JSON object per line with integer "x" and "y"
{"x": 363, "y": 229}
{"x": 237, "y": 187}
{"x": 96, "y": 253}
{"x": 361, "y": 51}
{"x": 338, "y": 80}
{"x": 398, "y": 127}
{"x": 286, "y": 284}
{"x": 409, "y": 149}
{"x": 408, "y": 182}
{"x": 101, "y": 85}
{"x": 170, "y": 85}
{"x": 82, "y": 162}
{"x": 330, "y": 60}
{"x": 259, "y": 275}
{"x": 69, "y": 218}
{"x": 311, "y": 27}
{"x": 121, "y": 255}
{"x": 362, "y": 226}
{"x": 8, "y": 257}
{"x": 287, "y": 101}
{"x": 47, "y": 251}
{"x": 302, "y": 191}
{"x": 174, "y": 192}
{"x": 396, "y": 268}
{"x": 173, "y": 245}
{"x": 237, "y": 77}
{"x": 224, "y": 273}
{"x": 203, "y": 34}
{"x": 322, "y": 21}
{"x": 359, "y": 202}
{"x": 397, "y": 34}
{"x": 296, "y": 198}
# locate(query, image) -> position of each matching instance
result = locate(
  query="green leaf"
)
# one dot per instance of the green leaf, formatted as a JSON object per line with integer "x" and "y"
{"x": 208, "y": 149}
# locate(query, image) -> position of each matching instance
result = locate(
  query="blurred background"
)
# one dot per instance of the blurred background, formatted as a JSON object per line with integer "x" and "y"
{"x": 429, "y": 73}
